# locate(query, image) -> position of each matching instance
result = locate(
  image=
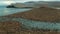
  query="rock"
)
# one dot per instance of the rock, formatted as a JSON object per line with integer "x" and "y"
{"x": 11, "y": 6}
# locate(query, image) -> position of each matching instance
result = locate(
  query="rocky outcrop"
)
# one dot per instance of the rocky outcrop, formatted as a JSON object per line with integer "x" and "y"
{"x": 11, "y": 6}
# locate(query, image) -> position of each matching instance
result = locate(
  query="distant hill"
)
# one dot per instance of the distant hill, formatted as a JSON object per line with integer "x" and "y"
{"x": 37, "y": 4}
{"x": 49, "y": 3}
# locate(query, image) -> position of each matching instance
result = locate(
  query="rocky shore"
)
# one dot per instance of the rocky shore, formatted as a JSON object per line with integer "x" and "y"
{"x": 45, "y": 14}
{"x": 14, "y": 27}
{"x": 11, "y": 6}
{"x": 39, "y": 14}
{"x": 9, "y": 27}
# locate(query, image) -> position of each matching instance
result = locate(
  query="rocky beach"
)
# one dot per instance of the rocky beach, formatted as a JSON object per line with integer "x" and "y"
{"x": 14, "y": 27}
{"x": 32, "y": 24}
{"x": 40, "y": 14}
{"x": 23, "y": 18}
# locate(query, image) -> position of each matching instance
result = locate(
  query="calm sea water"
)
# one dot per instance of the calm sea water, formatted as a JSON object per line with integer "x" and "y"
{"x": 6, "y": 11}
{"x": 27, "y": 23}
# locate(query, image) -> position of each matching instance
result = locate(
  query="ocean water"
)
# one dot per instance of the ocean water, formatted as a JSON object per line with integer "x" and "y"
{"x": 7, "y": 11}
{"x": 29, "y": 24}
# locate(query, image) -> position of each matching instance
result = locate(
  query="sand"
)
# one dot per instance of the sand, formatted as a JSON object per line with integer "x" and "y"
{"x": 45, "y": 14}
